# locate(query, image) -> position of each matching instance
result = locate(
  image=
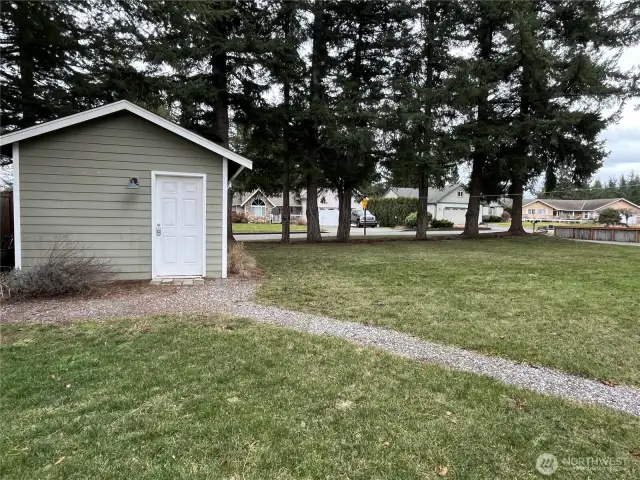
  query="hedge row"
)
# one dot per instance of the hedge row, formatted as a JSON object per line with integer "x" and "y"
{"x": 392, "y": 212}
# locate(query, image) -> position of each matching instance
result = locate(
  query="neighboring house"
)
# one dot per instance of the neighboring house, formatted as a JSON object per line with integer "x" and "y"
{"x": 449, "y": 203}
{"x": 257, "y": 204}
{"x": 582, "y": 210}
{"x": 130, "y": 187}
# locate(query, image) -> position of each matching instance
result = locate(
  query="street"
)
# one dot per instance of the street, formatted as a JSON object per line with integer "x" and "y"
{"x": 329, "y": 232}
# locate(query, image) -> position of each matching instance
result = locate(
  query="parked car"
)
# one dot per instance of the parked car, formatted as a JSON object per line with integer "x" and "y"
{"x": 358, "y": 217}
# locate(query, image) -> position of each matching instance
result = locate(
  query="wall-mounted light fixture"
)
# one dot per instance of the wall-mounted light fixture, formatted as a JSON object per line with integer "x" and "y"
{"x": 133, "y": 184}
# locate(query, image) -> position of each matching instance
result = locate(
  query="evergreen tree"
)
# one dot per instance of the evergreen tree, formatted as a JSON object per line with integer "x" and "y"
{"x": 552, "y": 100}
{"x": 40, "y": 46}
{"x": 112, "y": 45}
{"x": 315, "y": 119}
{"x": 210, "y": 49}
{"x": 274, "y": 128}
{"x": 348, "y": 155}
{"x": 420, "y": 107}
{"x": 478, "y": 81}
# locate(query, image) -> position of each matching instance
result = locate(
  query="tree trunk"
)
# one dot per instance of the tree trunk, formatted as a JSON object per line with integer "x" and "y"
{"x": 485, "y": 41}
{"x": 221, "y": 118}
{"x": 344, "y": 214}
{"x": 286, "y": 208}
{"x": 318, "y": 53}
{"x": 423, "y": 178}
{"x": 475, "y": 192}
{"x": 517, "y": 191}
{"x": 522, "y": 143}
{"x": 423, "y": 193}
{"x": 313, "y": 217}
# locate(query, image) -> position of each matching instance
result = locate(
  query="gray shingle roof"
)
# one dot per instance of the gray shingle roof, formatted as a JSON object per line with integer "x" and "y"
{"x": 433, "y": 195}
{"x": 578, "y": 205}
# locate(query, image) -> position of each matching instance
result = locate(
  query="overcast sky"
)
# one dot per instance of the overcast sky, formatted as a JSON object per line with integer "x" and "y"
{"x": 623, "y": 139}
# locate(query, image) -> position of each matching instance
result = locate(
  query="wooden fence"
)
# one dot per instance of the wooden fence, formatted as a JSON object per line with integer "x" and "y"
{"x": 611, "y": 234}
{"x": 6, "y": 214}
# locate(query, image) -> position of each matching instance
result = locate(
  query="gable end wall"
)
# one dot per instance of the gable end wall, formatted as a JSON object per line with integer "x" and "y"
{"x": 72, "y": 183}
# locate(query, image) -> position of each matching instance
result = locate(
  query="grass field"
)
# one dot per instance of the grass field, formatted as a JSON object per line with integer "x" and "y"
{"x": 194, "y": 397}
{"x": 256, "y": 228}
{"x": 571, "y": 306}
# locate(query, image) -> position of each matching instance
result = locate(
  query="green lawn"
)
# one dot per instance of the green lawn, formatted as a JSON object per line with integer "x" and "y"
{"x": 167, "y": 398}
{"x": 264, "y": 228}
{"x": 571, "y": 306}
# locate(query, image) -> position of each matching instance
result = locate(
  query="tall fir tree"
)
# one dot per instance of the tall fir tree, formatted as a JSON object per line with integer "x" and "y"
{"x": 479, "y": 77}
{"x": 420, "y": 108}
{"x": 561, "y": 86}
{"x": 210, "y": 49}
{"x": 316, "y": 116}
{"x": 365, "y": 33}
{"x": 273, "y": 129}
{"x": 41, "y": 44}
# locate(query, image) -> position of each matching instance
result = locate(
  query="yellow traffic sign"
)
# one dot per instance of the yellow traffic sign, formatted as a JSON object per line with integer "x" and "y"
{"x": 364, "y": 203}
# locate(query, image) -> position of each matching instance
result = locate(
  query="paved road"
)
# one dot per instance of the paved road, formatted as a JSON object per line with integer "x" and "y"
{"x": 358, "y": 232}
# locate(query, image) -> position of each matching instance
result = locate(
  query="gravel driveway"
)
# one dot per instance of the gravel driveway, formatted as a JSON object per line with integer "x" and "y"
{"x": 236, "y": 297}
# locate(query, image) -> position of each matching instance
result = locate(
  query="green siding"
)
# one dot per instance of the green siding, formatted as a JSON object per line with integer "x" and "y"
{"x": 72, "y": 184}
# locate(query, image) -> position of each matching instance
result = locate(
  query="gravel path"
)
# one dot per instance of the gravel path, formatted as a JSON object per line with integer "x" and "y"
{"x": 539, "y": 379}
{"x": 236, "y": 297}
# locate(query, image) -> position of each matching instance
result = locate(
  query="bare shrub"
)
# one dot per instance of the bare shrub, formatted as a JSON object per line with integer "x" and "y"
{"x": 300, "y": 221}
{"x": 65, "y": 269}
{"x": 253, "y": 219}
{"x": 238, "y": 217}
{"x": 240, "y": 262}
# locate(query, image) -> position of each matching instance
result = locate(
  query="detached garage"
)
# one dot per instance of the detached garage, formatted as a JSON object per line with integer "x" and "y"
{"x": 129, "y": 186}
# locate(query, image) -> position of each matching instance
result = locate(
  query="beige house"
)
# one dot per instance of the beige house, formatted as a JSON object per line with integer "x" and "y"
{"x": 257, "y": 204}
{"x": 578, "y": 210}
{"x": 129, "y": 186}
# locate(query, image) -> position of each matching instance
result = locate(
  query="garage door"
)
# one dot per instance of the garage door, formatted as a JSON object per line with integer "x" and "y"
{"x": 455, "y": 215}
{"x": 328, "y": 217}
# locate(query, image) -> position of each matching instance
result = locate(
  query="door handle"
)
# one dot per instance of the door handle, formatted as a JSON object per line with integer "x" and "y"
{"x": 158, "y": 230}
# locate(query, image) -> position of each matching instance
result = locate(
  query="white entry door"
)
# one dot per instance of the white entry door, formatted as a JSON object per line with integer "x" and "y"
{"x": 178, "y": 223}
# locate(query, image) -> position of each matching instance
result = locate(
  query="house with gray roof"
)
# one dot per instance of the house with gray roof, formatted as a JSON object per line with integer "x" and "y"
{"x": 582, "y": 210}
{"x": 449, "y": 203}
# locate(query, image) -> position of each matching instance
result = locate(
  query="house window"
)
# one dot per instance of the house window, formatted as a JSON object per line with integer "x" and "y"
{"x": 258, "y": 208}
{"x": 587, "y": 215}
{"x": 492, "y": 211}
{"x": 531, "y": 211}
{"x": 460, "y": 193}
{"x": 542, "y": 211}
